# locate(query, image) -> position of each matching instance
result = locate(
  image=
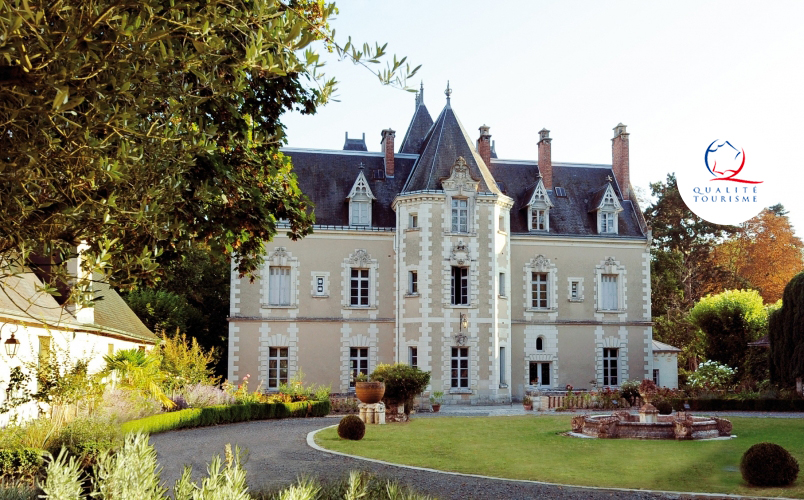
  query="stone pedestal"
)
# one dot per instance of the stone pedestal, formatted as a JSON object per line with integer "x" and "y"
{"x": 372, "y": 413}
{"x": 648, "y": 414}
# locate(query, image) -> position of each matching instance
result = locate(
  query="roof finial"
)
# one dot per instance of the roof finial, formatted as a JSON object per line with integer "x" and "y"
{"x": 361, "y": 166}
{"x": 448, "y": 92}
{"x": 608, "y": 178}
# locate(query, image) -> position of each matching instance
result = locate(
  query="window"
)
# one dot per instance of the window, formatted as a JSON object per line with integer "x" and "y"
{"x": 460, "y": 216}
{"x": 538, "y": 284}
{"x": 360, "y": 213}
{"x": 413, "y": 282}
{"x": 360, "y": 288}
{"x": 460, "y": 285}
{"x": 503, "y": 380}
{"x": 110, "y": 350}
{"x": 502, "y": 284}
{"x": 502, "y": 223}
{"x": 320, "y": 282}
{"x": 609, "y": 293}
{"x": 460, "y": 368}
{"x": 610, "y": 367}
{"x": 358, "y": 363}
{"x": 540, "y": 344}
{"x": 656, "y": 376}
{"x": 539, "y": 373}
{"x": 277, "y": 366}
{"x": 141, "y": 348}
{"x": 539, "y": 221}
{"x": 279, "y": 286}
{"x": 413, "y": 221}
{"x": 413, "y": 356}
{"x": 575, "y": 290}
{"x": 607, "y": 222}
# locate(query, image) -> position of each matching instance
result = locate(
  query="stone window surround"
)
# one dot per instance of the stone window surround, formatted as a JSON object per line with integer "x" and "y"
{"x": 360, "y": 259}
{"x": 313, "y": 284}
{"x": 570, "y": 281}
{"x": 541, "y": 264}
{"x": 610, "y": 266}
{"x": 280, "y": 257}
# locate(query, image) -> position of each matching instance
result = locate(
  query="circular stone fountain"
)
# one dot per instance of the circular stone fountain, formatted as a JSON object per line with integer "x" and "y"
{"x": 648, "y": 424}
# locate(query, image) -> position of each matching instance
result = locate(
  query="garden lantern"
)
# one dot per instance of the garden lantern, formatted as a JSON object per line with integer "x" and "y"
{"x": 12, "y": 344}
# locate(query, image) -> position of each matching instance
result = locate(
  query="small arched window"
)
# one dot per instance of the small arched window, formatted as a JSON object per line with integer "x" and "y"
{"x": 540, "y": 344}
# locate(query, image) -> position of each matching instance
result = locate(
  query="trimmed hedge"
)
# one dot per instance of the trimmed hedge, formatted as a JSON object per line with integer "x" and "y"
{"x": 225, "y": 414}
{"x": 20, "y": 462}
{"x": 739, "y": 405}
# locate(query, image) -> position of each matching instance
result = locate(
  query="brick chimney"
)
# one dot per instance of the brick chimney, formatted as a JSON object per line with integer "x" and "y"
{"x": 388, "y": 148}
{"x": 484, "y": 145}
{"x": 545, "y": 158}
{"x": 619, "y": 160}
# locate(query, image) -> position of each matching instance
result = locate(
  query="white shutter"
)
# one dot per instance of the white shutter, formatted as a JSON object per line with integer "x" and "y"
{"x": 609, "y": 299}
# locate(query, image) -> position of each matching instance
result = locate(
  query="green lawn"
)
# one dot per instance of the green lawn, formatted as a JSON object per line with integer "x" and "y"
{"x": 533, "y": 448}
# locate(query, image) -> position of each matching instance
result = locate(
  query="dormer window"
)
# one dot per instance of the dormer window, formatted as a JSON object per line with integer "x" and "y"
{"x": 607, "y": 209}
{"x": 360, "y": 198}
{"x": 539, "y": 209}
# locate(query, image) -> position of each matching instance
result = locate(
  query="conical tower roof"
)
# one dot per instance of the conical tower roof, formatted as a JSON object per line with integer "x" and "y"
{"x": 418, "y": 128}
{"x": 444, "y": 143}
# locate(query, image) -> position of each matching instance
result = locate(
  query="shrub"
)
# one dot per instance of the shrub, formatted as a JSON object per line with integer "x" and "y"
{"x": 630, "y": 391}
{"x": 179, "y": 403}
{"x": 711, "y": 375}
{"x": 20, "y": 462}
{"x": 200, "y": 396}
{"x": 88, "y": 438}
{"x": 664, "y": 407}
{"x": 122, "y": 405}
{"x": 63, "y": 477}
{"x": 35, "y": 433}
{"x": 768, "y": 464}
{"x": 351, "y": 427}
{"x": 225, "y": 414}
{"x": 132, "y": 472}
{"x": 186, "y": 362}
{"x": 402, "y": 383}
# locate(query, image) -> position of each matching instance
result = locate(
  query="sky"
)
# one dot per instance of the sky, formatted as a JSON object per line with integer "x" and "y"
{"x": 678, "y": 74}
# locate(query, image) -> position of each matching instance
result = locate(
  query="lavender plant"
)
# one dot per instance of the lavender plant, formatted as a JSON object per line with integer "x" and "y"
{"x": 200, "y": 395}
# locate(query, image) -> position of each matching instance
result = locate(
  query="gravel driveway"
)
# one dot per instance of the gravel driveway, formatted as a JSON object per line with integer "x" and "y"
{"x": 278, "y": 453}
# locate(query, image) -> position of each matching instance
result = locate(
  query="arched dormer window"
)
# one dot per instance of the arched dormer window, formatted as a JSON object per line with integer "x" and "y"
{"x": 360, "y": 198}
{"x": 607, "y": 209}
{"x": 539, "y": 209}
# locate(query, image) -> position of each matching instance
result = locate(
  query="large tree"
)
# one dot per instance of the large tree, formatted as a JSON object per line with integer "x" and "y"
{"x": 765, "y": 253}
{"x": 681, "y": 267}
{"x": 141, "y": 127}
{"x": 786, "y": 334}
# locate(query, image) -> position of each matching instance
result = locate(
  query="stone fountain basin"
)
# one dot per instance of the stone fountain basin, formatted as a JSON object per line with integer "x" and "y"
{"x": 678, "y": 426}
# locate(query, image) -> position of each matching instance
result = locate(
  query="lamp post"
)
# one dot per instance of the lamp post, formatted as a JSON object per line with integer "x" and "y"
{"x": 12, "y": 344}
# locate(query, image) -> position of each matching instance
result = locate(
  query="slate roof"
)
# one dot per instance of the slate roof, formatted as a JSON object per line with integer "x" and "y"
{"x": 24, "y": 302}
{"x": 662, "y": 347}
{"x": 444, "y": 143}
{"x": 569, "y": 216}
{"x": 417, "y": 130}
{"x": 327, "y": 176}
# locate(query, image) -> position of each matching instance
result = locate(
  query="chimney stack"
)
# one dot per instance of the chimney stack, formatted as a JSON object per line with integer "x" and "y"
{"x": 545, "y": 158}
{"x": 619, "y": 160}
{"x": 388, "y": 148}
{"x": 484, "y": 145}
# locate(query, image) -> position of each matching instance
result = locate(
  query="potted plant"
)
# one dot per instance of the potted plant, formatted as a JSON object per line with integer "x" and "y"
{"x": 368, "y": 392}
{"x": 436, "y": 399}
{"x": 527, "y": 402}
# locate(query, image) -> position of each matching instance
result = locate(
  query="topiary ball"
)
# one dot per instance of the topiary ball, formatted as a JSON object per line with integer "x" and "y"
{"x": 351, "y": 427}
{"x": 768, "y": 464}
{"x": 664, "y": 407}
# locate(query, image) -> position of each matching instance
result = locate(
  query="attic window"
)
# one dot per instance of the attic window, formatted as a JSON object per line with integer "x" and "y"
{"x": 379, "y": 174}
{"x": 360, "y": 198}
{"x": 560, "y": 192}
{"x": 539, "y": 209}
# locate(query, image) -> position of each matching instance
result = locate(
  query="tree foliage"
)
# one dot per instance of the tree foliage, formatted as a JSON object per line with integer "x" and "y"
{"x": 142, "y": 127}
{"x": 402, "y": 383}
{"x": 786, "y": 335}
{"x": 730, "y": 320}
{"x": 765, "y": 253}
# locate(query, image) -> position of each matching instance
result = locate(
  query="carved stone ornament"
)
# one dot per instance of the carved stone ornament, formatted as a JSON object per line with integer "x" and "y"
{"x": 460, "y": 180}
{"x": 279, "y": 256}
{"x": 577, "y": 423}
{"x": 610, "y": 261}
{"x": 460, "y": 339}
{"x": 540, "y": 263}
{"x": 724, "y": 426}
{"x": 460, "y": 254}
{"x": 360, "y": 258}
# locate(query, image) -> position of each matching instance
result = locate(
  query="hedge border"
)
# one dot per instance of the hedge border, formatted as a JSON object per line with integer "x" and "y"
{"x": 225, "y": 414}
{"x": 26, "y": 462}
{"x": 780, "y": 405}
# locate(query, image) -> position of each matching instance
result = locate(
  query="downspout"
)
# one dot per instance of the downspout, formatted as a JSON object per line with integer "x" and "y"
{"x": 397, "y": 319}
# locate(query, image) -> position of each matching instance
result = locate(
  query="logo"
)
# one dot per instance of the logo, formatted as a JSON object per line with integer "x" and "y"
{"x": 724, "y": 151}
{"x": 727, "y": 189}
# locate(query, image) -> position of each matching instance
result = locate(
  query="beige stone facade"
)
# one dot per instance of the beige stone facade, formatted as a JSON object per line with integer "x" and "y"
{"x": 453, "y": 273}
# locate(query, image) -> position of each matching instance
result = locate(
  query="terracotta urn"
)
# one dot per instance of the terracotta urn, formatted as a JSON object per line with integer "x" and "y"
{"x": 528, "y": 407}
{"x": 369, "y": 392}
{"x": 436, "y": 407}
